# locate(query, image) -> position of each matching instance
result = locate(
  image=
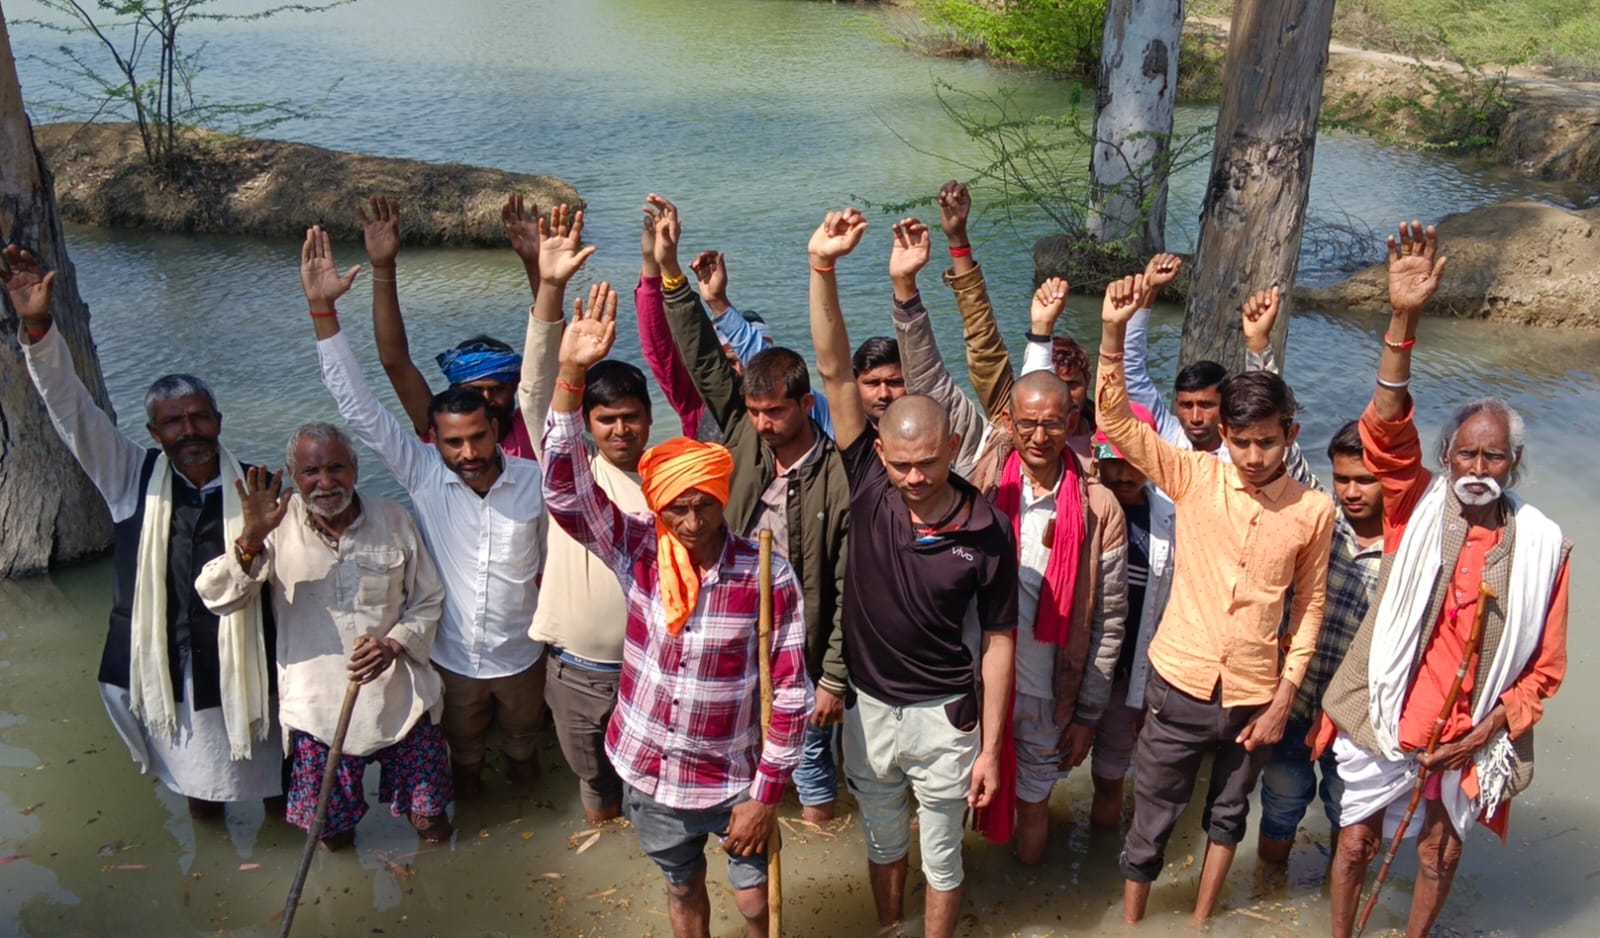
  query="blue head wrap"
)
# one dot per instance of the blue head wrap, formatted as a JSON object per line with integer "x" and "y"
{"x": 474, "y": 361}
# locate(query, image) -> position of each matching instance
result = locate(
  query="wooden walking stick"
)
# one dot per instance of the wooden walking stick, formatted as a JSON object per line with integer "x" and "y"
{"x": 329, "y": 772}
{"x": 764, "y": 643}
{"x": 1485, "y": 593}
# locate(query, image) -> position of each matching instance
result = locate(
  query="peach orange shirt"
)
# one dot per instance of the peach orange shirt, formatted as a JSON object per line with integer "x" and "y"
{"x": 1238, "y": 549}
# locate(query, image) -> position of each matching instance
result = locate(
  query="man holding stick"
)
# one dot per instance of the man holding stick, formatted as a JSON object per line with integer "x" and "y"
{"x": 1445, "y": 538}
{"x": 685, "y": 736}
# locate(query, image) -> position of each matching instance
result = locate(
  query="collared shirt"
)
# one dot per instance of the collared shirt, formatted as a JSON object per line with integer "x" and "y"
{"x": 1238, "y": 551}
{"x": 1036, "y": 660}
{"x": 1352, "y": 585}
{"x": 489, "y": 549}
{"x": 687, "y": 728}
{"x": 774, "y": 512}
{"x": 376, "y": 579}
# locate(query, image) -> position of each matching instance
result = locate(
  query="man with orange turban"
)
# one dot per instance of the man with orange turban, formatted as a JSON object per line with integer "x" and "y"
{"x": 685, "y": 736}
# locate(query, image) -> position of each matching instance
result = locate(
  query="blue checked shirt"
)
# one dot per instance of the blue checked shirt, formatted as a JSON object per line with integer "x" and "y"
{"x": 1352, "y": 585}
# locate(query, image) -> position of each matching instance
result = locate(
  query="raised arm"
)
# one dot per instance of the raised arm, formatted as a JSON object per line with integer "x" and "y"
{"x": 988, "y": 359}
{"x": 1170, "y": 468}
{"x": 836, "y": 237}
{"x": 1415, "y": 269}
{"x": 377, "y": 429}
{"x": 235, "y": 577}
{"x": 558, "y": 247}
{"x": 1256, "y": 317}
{"x": 111, "y": 460}
{"x": 655, "y": 336}
{"x": 380, "y": 230}
{"x": 713, "y": 375}
{"x": 924, "y": 366}
{"x": 1162, "y": 270}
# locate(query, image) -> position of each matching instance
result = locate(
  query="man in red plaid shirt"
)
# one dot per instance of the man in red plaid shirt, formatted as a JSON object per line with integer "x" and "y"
{"x": 686, "y": 734}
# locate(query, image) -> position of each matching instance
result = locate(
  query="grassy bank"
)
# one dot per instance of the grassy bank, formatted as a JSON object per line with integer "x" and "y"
{"x": 1560, "y": 35}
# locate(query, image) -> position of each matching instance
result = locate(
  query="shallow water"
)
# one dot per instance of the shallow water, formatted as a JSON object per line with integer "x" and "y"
{"x": 756, "y": 116}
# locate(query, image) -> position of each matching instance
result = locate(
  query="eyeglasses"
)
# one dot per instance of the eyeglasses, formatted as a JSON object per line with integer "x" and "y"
{"x": 1051, "y": 427}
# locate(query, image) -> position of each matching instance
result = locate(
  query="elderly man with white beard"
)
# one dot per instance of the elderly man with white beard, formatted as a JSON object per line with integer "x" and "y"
{"x": 1457, "y": 548}
{"x": 357, "y": 598}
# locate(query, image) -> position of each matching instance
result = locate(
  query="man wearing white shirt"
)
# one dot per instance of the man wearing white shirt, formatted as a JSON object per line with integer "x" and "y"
{"x": 483, "y": 518}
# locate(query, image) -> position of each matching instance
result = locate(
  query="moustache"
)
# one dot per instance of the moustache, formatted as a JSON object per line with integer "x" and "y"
{"x": 1491, "y": 490}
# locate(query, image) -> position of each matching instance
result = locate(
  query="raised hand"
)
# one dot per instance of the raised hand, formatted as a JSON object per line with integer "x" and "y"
{"x": 1259, "y": 313}
{"x": 28, "y": 286}
{"x": 1415, "y": 268}
{"x": 1048, "y": 302}
{"x": 380, "y": 230}
{"x": 589, "y": 336}
{"x": 668, "y": 229}
{"x": 521, "y": 218}
{"x": 1162, "y": 270}
{"x": 263, "y": 502}
{"x": 837, "y": 236}
{"x": 560, "y": 240}
{"x": 711, "y": 270}
{"x": 955, "y": 205}
{"x": 1123, "y": 298}
{"x": 912, "y": 247}
{"x": 319, "y": 276}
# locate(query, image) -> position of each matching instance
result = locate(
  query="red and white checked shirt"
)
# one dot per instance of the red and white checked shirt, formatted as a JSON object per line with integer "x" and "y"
{"x": 687, "y": 728}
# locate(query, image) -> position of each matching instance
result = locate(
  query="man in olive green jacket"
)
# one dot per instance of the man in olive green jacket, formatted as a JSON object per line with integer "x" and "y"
{"x": 788, "y": 479}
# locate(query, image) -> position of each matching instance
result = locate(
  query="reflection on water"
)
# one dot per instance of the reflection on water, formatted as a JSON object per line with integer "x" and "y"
{"x": 804, "y": 108}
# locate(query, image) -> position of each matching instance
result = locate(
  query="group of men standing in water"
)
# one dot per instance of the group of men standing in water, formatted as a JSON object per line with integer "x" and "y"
{"x": 971, "y": 595}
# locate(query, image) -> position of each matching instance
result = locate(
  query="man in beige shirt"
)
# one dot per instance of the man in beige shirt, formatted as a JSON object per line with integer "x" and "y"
{"x": 1247, "y": 533}
{"x": 356, "y": 598}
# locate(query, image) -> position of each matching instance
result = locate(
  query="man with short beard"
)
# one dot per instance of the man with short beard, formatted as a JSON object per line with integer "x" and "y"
{"x": 1444, "y": 538}
{"x": 356, "y": 599}
{"x": 787, "y": 479}
{"x": 187, "y": 691}
{"x": 482, "y": 516}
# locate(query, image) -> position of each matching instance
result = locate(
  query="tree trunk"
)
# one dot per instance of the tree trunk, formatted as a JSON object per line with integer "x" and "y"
{"x": 48, "y": 508}
{"x": 1255, "y": 202}
{"x": 1133, "y": 123}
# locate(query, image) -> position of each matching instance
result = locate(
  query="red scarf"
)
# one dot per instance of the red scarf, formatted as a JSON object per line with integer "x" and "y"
{"x": 1052, "y": 623}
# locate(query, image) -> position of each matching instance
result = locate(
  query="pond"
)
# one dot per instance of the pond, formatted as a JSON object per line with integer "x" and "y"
{"x": 756, "y": 116}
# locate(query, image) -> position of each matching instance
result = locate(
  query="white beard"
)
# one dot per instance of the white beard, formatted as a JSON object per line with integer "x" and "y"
{"x": 321, "y": 505}
{"x": 1488, "y": 496}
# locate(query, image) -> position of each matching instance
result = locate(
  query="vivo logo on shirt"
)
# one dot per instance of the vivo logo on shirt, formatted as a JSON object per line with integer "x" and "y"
{"x": 963, "y": 553}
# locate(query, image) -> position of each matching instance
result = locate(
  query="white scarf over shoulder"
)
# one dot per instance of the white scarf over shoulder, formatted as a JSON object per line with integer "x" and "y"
{"x": 241, "y": 647}
{"x": 1418, "y": 562}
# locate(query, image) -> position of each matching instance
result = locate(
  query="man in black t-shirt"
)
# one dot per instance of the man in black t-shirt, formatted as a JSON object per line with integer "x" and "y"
{"x": 931, "y": 568}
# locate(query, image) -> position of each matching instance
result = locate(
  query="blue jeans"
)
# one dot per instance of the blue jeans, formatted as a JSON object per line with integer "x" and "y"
{"x": 817, "y": 779}
{"x": 1289, "y": 782}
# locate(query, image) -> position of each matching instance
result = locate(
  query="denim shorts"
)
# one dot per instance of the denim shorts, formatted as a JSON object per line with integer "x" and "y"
{"x": 816, "y": 780}
{"x": 675, "y": 838}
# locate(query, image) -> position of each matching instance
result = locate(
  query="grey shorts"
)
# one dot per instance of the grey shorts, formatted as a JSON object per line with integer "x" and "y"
{"x": 675, "y": 838}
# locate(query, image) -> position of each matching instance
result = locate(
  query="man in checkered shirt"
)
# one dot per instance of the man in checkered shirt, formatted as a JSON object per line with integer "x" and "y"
{"x": 686, "y": 734}
{"x": 1289, "y": 782}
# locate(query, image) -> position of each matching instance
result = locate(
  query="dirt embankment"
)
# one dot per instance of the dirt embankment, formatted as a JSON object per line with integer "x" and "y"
{"x": 271, "y": 188}
{"x": 1515, "y": 262}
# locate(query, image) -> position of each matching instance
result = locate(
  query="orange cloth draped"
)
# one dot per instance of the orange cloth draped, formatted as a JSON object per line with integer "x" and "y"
{"x": 665, "y": 473}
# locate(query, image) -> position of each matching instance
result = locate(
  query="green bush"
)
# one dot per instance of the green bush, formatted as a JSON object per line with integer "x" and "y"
{"x": 1060, "y": 36}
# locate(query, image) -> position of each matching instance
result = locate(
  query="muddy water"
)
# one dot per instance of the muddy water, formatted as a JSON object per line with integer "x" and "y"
{"x": 758, "y": 115}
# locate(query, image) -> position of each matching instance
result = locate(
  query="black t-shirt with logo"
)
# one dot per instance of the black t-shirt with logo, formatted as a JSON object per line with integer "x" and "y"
{"x": 907, "y": 598}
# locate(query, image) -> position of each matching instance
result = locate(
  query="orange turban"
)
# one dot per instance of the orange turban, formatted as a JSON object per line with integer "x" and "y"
{"x": 666, "y": 472}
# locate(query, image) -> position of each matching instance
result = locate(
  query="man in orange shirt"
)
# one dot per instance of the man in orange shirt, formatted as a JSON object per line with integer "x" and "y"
{"x": 1443, "y": 537}
{"x": 1246, "y": 533}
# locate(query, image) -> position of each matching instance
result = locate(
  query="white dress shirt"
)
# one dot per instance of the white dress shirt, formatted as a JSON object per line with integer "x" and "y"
{"x": 489, "y": 549}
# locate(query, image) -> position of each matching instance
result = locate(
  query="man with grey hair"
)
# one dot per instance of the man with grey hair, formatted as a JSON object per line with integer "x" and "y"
{"x": 188, "y": 691}
{"x": 356, "y": 598}
{"x": 1461, "y": 552}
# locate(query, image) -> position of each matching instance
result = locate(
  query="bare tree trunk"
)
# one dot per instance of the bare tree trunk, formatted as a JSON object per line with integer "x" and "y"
{"x": 48, "y": 508}
{"x": 1255, "y": 202}
{"x": 1133, "y": 123}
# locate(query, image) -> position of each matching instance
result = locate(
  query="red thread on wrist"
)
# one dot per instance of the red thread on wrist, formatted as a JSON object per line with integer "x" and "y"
{"x": 823, "y": 270}
{"x": 1398, "y": 346}
{"x": 1112, "y": 356}
{"x": 35, "y": 333}
{"x": 961, "y": 251}
{"x": 566, "y": 385}
{"x": 329, "y": 314}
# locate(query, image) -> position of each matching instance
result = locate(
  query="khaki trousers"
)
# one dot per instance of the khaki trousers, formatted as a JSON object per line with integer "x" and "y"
{"x": 514, "y": 703}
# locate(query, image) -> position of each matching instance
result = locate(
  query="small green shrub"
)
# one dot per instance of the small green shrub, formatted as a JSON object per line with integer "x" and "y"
{"x": 1059, "y": 36}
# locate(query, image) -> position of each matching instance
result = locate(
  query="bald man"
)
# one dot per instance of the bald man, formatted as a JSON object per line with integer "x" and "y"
{"x": 1072, "y": 602}
{"x": 926, "y": 550}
